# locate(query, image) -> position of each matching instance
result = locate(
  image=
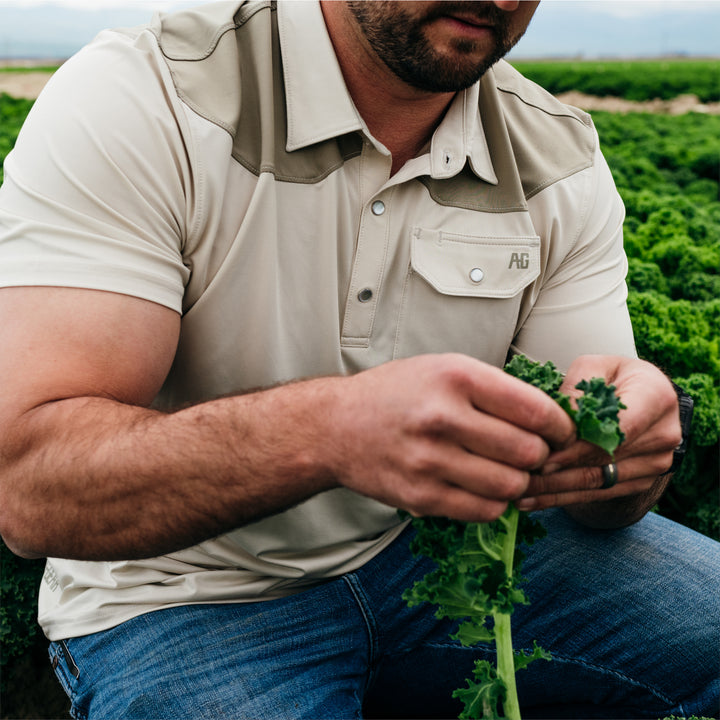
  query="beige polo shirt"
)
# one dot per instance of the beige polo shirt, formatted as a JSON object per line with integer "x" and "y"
{"x": 214, "y": 163}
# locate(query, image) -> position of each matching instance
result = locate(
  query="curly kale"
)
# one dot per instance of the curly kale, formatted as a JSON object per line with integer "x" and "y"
{"x": 477, "y": 580}
{"x": 477, "y": 574}
{"x": 597, "y": 411}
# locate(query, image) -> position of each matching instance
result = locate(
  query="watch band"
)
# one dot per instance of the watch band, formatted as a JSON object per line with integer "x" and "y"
{"x": 685, "y": 404}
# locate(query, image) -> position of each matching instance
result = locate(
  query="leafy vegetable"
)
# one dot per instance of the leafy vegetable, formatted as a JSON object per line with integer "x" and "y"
{"x": 631, "y": 79}
{"x": 12, "y": 115}
{"x": 477, "y": 576}
{"x": 672, "y": 239}
{"x": 476, "y": 580}
{"x": 596, "y": 416}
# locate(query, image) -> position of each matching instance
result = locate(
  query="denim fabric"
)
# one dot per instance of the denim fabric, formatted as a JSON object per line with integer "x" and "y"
{"x": 632, "y": 618}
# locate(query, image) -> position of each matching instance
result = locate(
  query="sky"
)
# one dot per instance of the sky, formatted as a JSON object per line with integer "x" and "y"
{"x": 561, "y": 28}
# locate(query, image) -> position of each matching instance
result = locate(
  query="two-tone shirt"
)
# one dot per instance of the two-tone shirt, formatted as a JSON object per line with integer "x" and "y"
{"x": 214, "y": 162}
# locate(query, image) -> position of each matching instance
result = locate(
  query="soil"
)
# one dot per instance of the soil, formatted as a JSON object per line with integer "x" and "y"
{"x": 23, "y": 84}
{"x": 29, "y": 84}
{"x": 677, "y": 106}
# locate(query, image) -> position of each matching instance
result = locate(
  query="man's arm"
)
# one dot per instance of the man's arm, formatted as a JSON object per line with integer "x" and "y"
{"x": 88, "y": 471}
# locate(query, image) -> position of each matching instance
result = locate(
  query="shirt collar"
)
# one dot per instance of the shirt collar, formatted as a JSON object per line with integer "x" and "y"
{"x": 460, "y": 138}
{"x": 319, "y": 106}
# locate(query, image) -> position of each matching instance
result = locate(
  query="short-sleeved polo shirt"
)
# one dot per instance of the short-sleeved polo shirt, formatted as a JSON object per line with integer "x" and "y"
{"x": 214, "y": 162}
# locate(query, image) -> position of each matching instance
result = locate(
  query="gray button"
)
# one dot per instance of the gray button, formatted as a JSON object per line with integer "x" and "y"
{"x": 365, "y": 295}
{"x": 477, "y": 275}
{"x": 378, "y": 207}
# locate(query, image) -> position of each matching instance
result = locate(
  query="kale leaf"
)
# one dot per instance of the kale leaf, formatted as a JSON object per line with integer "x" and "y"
{"x": 597, "y": 411}
{"x": 477, "y": 575}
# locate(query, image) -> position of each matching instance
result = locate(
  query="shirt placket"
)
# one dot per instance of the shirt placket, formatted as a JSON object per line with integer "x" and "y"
{"x": 371, "y": 251}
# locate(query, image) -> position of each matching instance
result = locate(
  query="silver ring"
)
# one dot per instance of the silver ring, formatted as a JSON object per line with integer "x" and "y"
{"x": 610, "y": 476}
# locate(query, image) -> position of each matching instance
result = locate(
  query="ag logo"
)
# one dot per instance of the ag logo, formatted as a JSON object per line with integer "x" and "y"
{"x": 519, "y": 261}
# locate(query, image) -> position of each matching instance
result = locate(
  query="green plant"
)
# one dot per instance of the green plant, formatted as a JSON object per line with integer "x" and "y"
{"x": 596, "y": 417}
{"x": 19, "y": 582}
{"x": 477, "y": 578}
{"x": 478, "y": 565}
{"x": 12, "y": 115}
{"x": 630, "y": 79}
{"x": 672, "y": 239}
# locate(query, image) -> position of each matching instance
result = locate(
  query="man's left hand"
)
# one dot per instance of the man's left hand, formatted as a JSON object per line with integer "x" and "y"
{"x": 574, "y": 476}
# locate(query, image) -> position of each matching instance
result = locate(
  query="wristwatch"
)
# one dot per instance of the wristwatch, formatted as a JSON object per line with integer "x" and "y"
{"x": 685, "y": 403}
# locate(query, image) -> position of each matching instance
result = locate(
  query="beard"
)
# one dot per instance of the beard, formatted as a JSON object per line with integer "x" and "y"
{"x": 400, "y": 42}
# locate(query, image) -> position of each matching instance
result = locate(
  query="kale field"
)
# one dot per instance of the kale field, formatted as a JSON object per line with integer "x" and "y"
{"x": 667, "y": 169}
{"x": 628, "y": 79}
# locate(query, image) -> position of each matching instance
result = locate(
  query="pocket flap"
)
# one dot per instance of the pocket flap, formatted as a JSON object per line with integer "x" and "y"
{"x": 475, "y": 266}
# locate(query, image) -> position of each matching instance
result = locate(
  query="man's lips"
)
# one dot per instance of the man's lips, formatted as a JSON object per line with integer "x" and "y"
{"x": 467, "y": 25}
{"x": 470, "y": 20}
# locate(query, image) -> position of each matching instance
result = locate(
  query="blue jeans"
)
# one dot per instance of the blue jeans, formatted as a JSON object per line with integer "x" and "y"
{"x": 631, "y": 617}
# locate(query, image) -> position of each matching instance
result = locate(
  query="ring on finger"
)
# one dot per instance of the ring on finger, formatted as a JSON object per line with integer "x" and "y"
{"x": 609, "y": 476}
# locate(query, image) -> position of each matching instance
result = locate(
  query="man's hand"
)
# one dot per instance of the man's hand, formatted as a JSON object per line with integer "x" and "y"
{"x": 573, "y": 476}
{"x": 443, "y": 435}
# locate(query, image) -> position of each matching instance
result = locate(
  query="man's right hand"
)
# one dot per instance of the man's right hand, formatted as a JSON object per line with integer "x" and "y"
{"x": 443, "y": 435}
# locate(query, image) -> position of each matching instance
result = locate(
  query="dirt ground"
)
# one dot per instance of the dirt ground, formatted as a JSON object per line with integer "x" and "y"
{"x": 23, "y": 84}
{"x": 29, "y": 85}
{"x": 677, "y": 106}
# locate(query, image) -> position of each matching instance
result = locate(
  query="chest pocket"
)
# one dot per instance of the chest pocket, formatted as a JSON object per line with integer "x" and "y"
{"x": 462, "y": 293}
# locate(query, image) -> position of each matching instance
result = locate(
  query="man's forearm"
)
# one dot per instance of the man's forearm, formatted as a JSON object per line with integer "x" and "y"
{"x": 91, "y": 478}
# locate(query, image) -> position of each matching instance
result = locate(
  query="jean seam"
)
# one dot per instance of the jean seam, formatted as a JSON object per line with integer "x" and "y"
{"x": 369, "y": 618}
{"x": 617, "y": 674}
{"x": 404, "y": 649}
{"x": 563, "y": 658}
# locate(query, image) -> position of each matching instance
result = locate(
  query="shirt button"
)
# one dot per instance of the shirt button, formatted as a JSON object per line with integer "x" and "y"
{"x": 365, "y": 295}
{"x": 378, "y": 207}
{"x": 477, "y": 275}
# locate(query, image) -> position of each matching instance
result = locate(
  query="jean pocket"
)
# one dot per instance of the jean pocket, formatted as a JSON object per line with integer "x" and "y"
{"x": 68, "y": 674}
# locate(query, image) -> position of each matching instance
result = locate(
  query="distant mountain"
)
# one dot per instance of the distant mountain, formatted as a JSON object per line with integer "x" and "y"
{"x": 561, "y": 28}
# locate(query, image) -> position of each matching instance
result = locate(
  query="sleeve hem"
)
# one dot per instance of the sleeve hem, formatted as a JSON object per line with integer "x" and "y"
{"x": 154, "y": 289}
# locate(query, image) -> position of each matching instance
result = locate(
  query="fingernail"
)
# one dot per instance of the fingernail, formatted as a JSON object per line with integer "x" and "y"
{"x": 526, "y": 504}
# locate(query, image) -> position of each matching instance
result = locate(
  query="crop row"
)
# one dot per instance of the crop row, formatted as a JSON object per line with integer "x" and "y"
{"x": 667, "y": 171}
{"x": 631, "y": 80}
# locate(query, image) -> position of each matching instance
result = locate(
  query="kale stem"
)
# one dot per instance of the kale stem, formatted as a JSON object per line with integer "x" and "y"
{"x": 511, "y": 517}
{"x": 503, "y": 630}
{"x": 506, "y": 665}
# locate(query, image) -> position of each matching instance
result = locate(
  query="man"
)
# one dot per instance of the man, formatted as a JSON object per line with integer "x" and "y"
{"x": 355, "y": 207}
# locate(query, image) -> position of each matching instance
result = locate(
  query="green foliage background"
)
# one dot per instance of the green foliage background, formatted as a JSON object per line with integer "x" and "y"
{"x": 12, "y": 114}
{"x": 628, "y": 79}
{"x": 667, "y": 171}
